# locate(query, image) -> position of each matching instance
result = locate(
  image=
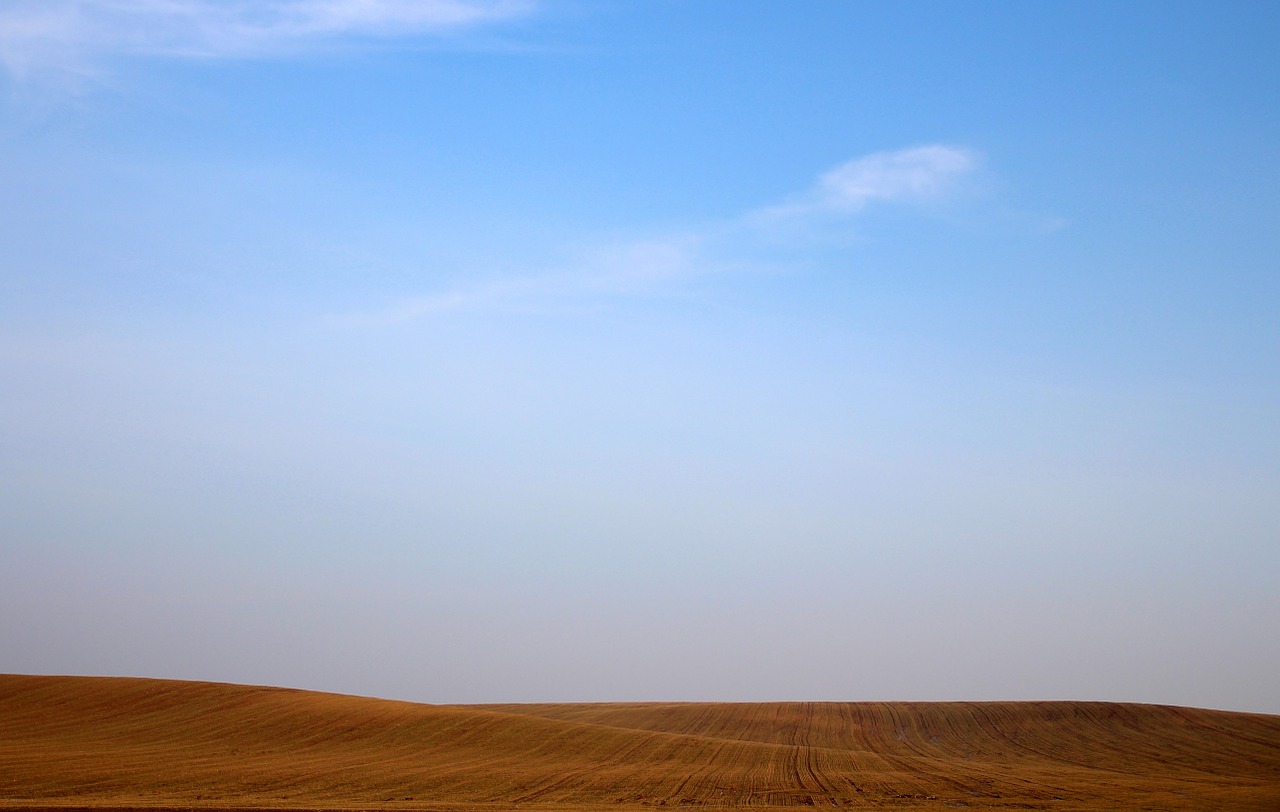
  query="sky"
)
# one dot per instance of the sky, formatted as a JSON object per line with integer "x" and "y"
{"x": 572, "y": 350}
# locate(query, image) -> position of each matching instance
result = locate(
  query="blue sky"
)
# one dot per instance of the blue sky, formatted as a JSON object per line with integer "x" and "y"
{"x": 467, "y": 351}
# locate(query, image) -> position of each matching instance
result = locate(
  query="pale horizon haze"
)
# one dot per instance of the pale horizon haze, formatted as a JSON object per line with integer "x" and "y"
{"x": 568, "y": 350}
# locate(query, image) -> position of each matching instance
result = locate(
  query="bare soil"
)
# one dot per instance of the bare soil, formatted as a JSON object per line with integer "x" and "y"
{"x": 88, "y": 744}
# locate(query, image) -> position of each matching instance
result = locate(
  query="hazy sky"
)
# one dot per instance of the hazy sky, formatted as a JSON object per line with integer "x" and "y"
{"x": 468, "y": 350}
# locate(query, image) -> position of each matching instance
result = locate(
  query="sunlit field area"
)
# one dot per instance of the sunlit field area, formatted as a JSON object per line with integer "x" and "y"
{"x": 113, "y": 743}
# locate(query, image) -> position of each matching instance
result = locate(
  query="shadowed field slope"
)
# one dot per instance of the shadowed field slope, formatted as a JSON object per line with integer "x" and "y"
{"x": 83, "y": 742}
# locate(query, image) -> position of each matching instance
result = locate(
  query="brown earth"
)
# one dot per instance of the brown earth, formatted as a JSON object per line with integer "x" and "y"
{"x": 85, "y": 743}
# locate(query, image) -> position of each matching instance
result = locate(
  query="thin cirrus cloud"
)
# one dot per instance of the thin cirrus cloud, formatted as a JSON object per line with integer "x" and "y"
{"x": 612, "y": 270}
{"x": 916, "y": 174}
{"x": 41, "y": 37}
{"x": 907, "y": 176}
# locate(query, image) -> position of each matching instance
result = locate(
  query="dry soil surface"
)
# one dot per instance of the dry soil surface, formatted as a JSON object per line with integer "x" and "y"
{"x": 101, "y": 744}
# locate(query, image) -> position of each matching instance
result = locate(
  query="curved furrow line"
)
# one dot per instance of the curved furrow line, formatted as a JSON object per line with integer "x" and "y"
{"x": 811, "y": 753}
{"x": 697, "y": 775}
{"x": 947, "y": 776}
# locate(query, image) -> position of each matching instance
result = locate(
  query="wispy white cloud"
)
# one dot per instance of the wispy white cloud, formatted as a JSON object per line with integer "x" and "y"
{"x": 613, "y": 270}
{"x": 71, "y": 36}
{"x": 916, "y": 175}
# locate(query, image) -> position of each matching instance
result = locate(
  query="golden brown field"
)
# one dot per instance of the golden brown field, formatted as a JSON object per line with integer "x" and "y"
{"x": 112, "y": 743}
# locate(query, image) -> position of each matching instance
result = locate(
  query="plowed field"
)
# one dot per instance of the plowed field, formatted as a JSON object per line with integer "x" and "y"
{"x": 112, "y": 743}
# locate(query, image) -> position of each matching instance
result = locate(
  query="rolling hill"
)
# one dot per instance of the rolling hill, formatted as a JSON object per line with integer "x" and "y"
{"x": 79, "y": 743}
